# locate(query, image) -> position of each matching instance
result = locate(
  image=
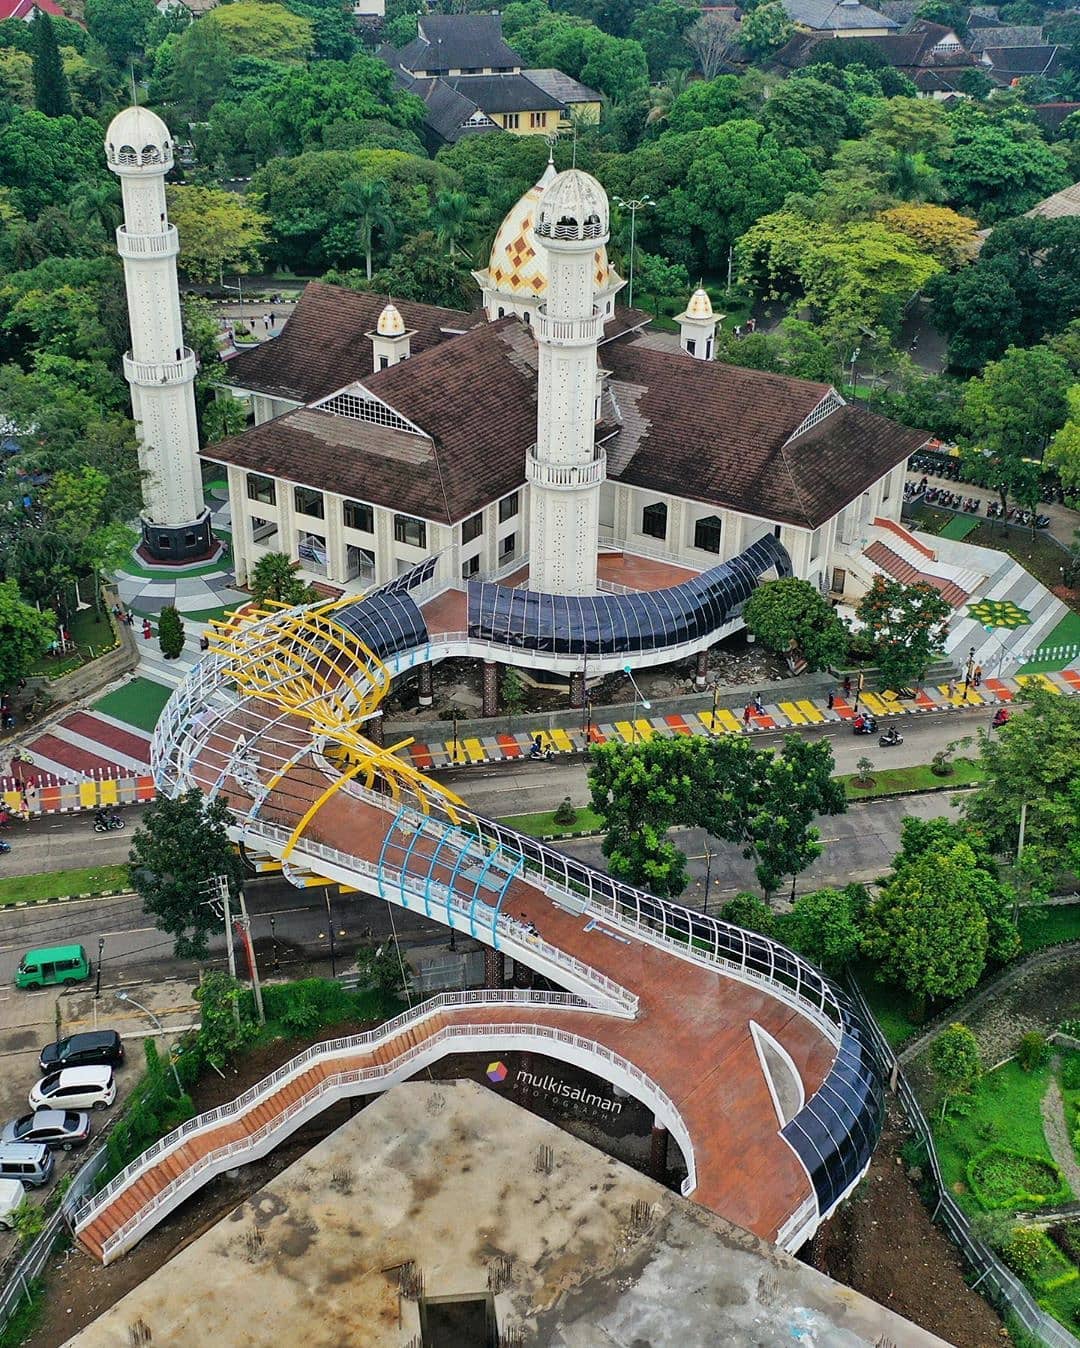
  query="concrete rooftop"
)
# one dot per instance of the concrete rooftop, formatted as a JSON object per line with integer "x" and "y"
{"x": 458, "y": 1181}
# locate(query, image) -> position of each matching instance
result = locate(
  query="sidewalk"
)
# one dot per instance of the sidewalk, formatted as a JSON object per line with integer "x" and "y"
{"x": 783, "y": 715}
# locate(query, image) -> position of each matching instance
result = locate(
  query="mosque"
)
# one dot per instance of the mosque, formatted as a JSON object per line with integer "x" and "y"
{"x": 544, "y": 451}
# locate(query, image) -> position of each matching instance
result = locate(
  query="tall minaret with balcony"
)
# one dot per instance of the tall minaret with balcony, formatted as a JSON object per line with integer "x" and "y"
{"x": 159, "y": 368}
{"x": 565, "y": 468}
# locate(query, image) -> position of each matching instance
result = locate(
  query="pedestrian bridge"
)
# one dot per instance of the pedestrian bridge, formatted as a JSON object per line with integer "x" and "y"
{"x": 746, "y": 1054}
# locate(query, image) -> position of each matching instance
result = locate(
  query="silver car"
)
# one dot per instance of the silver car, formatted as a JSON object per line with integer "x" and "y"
{"x": 61, "y": 1129}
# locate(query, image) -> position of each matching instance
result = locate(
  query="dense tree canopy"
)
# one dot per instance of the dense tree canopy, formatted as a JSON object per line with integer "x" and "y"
{"x": 792, "y": 615}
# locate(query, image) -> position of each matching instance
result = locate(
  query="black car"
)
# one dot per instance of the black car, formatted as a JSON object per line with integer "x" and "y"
{"x": 56, "y": 1128}
{"x": 95, "y": 1048}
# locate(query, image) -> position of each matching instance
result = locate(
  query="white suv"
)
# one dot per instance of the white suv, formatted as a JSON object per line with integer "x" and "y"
{"x": 75, "y": 1088}
{"x": 12, "y": 1197}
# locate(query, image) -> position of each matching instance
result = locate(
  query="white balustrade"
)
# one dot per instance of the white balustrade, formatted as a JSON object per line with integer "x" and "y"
{"x": 160, "y": 371}
{"x": 568, "y": 331}
{"x": 163, "y": 244}
{"x": 565, "y": 476}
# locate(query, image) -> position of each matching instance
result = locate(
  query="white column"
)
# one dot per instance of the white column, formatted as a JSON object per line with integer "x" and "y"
{"x": 565, "y": 468}
{"x": 159, "y": 368}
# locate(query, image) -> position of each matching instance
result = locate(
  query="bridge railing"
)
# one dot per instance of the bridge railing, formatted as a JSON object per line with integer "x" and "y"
{"x": 339, "y": 1083}
{"x": 454, "y": 906}
{"x": 327, "y": 1048}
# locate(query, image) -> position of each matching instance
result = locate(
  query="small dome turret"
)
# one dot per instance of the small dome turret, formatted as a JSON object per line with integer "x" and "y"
{"x": 391, "y": 323}
{"x": 138, "y": 138}
{"x": 574, "y": 207}
{"x": 700, "y": 305}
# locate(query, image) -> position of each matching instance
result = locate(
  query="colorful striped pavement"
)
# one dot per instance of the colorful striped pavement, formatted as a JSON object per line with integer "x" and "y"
{"x": 782, "y": 715}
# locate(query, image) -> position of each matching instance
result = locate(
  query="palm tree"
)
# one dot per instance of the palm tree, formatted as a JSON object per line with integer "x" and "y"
{"x": 369, "y": 203}
{"x": 662, "y": 96}
{"x": 96, "y": 204}
{"x": 448, "y": 215}
{"x": 913, "y": 178}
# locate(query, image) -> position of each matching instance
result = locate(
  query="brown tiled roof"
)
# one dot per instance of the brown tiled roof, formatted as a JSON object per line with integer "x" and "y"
{"x": 720, "y": 434}
{"x": 475, "y": 399}
{"x": 323, "y": 346}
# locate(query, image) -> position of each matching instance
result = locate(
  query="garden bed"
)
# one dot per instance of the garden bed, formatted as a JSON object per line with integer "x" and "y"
{"x": 1002, "y": 1178}
{"x": 920, "y": 777}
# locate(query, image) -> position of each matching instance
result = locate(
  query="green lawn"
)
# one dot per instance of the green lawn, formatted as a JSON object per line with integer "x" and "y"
{"x": 959, "y": 527}
{"x": 1047, "y": 926}
{"x": 542, "y": 824}
{"x": 205, "y": 615}
{"x": 1004, "y": 1110}
{"x": 931, "y": 521}
{"x": 92, "y": 634}
{"x": 889, "y": 1004}
{"x": 58, "y": 884}
{"x": 1066, "y": 633}
{"x": 139, "y": 703}
{"x": 890, "y": 781}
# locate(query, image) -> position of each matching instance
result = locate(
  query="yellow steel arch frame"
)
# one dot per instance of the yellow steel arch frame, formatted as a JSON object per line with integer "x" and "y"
{"x": 269, "y": 654}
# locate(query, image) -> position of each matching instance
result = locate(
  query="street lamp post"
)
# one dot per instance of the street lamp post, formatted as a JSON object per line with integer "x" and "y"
{"x": 708, "y": 876}
{"x": 330, "y": 932}
{"x": 638, "y": 697}
{"x": 126, "y": 997}
{"x": 715, "y": 699}
{"x": 633, "y": 205}
{"x": 97, "y": 985}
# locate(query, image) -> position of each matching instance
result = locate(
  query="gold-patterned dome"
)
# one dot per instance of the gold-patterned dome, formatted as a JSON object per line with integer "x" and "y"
{"x": 516, "y": 264}
{"x": 700, "y": 305}
{"x": 391, "y": 323}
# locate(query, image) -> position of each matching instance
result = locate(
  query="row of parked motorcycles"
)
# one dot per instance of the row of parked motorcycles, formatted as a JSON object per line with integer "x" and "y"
{"x": 972, "y": 505}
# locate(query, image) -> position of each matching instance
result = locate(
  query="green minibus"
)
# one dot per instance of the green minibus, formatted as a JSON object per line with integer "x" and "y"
{"x": 51, "y": 965}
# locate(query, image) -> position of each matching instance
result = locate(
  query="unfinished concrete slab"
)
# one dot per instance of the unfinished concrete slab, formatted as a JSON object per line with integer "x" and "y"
{"x": 442, "y": 1213}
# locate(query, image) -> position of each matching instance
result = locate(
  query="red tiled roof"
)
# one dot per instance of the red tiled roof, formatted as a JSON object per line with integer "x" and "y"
{"x": 324, "y": 345}
{"x": 19, "y": 9}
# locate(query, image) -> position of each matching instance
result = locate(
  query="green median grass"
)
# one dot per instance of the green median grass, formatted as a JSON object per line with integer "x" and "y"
{"x": 543, "y": 824}
{"x": 59, "y": 884}
{"x": 1049, "y": 926}
{"x": 920, "y": 777}
{"x": 139, "y": 703}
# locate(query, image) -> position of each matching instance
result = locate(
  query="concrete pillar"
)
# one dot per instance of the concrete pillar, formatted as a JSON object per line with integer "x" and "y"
{"x": 494, "y": 968}
{"x": 523, "y": 975}
{"x": 491, "y": 688}
{"x": 427, "y": 686}
{"x": 577, "y": 690}
{"x": 658, "y": 1147}
{"x": 701, "y": 674}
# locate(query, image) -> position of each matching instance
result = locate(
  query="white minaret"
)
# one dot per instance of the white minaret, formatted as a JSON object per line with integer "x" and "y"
{"x": 565, "y": 468}
{"x": 159, "y": 368}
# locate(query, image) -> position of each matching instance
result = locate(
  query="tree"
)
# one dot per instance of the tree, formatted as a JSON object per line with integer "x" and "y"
{"x": 1063, "y": 452}
{"x": 182, "y": 844}
{"x": 513, "y": 695}
{"x": 51, "y": 93}
{"x": 97, "y": 205}
{"x": 956, "y": 1062}
{"x": 1011, "y": 412}
{"x": 994, "y": 172}
{"x": 1032, "y": 761}
{"x": 808, "y": 114}
{"x": 825, "y": 926}
{"x": 661, "y": 30}
{"x": 170, "y": 632}
{"x": 663, "y": 96}
{"x": 201, "y": 64}
{"x": 926, "y": 929}
{"x": 790, "y": 615}
{"x": 943, "y": 233}
{"x": 906, "y": 627}
{"x": 658, "y": 277}
{"x": 223, "y": 1031}
{"x": 274, "y": 578}
{"x": 266, "y": 30}
{"x": 713, "y": 41}
{"x": 449, "y": 215}
{"x": 747, "y": 910}
{"x": 121, "y": 26}
{"x": 25, "y": 633}
{"x": 418, "y": 271}
{"x": 765, "y": 29}
{"x": 218, "y": 230}
{"x": 368, "y": 204}
{"x": 224, "y": 416}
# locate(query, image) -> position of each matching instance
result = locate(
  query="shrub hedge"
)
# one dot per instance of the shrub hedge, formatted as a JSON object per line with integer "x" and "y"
{"x": 1000, "y": 1178}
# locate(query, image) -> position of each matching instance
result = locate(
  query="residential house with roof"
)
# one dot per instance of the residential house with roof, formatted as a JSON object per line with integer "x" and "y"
{"x": 471, "y": 80}
{"x": 28, "y": 9}
{"x": 839, "y": 18}
{"x": 1008, "y": 65}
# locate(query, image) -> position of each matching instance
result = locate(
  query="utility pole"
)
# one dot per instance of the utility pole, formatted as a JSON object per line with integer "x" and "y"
{"x": 633, "y": 205}
{"x": 256, "y": 987}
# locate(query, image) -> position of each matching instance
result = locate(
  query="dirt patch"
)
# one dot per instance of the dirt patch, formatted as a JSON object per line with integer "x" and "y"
{"x": 883, "y": 1244}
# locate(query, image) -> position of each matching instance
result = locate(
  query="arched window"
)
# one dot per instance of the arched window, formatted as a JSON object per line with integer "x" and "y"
{"x": 654, "y": 520}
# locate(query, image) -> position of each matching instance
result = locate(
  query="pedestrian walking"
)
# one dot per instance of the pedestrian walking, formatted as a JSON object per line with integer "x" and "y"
{"x": 746, "y": 714}
{"x": 832, "y": 699}
{"x": 847, "y": 684}
{"x": 147, "y": 630}
{"x": 952, "y": 688}
{"x": 978, "y": 675}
